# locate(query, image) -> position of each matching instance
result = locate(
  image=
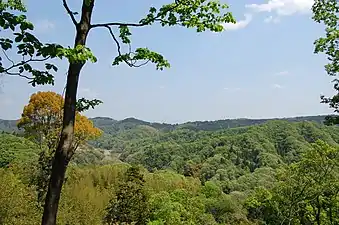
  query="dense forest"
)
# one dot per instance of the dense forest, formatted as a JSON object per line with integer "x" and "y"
{"x": 58, "y": 167}
{"x": 274, "y": 172}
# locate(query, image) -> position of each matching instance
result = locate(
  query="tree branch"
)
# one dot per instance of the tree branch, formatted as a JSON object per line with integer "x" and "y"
{"x": 177, "y": 3}
{"x": 20, "y": 75}
{"x": 118, "y": 24}
{"x": 24, "y": 62}
{"x": 114, "y": 38}
{"x": 8, "y": 57}
{"x": 131, "y": 64}
{"x": 70, "y": 13}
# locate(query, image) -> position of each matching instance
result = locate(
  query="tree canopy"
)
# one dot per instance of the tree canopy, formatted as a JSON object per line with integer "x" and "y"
{"x": 42, "y": 120}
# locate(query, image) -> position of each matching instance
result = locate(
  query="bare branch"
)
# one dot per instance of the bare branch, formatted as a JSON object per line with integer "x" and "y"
{"x": 131, "y": 64}
{"x": 117, "y": 24}
{"x": 24, "y": 62}
{"x": 70, "y": 13}
{"x": 19, "y": 74}
{"x": 8, "y": 57}
{"x": 114, "y": 38}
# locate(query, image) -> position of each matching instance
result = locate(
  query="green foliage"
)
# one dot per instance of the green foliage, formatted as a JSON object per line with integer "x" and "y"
{"x": 178, "y": 207}
{"x": 142, "y": 54}
{"x": 31, "y": 49}
{"x": 84, "y": 104}
{"x": 13, "y": 5}
{"x": 202, "y": 15}
{"x": 27, "y": 46}
{"x": 326, "y": 12}
{"x": 79, "y": 54}
{"x": 130, "y": 204}
{"x": 223, "y": 156}
{"x": 16, "y": 149}
{"x": 247, "y": 175}
{"x": 17, "y": 201}
{"x": 306, "y": 191}
{"x": 282, "y": 195}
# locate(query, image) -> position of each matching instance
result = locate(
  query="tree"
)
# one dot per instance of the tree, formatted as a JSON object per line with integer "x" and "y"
{"x": 200, "y": 14}
{"x": 42, "y": 121}
{"x": 306, "y": 192}
{"x": 130, "y": 205}
{"x": 326, "y": 12}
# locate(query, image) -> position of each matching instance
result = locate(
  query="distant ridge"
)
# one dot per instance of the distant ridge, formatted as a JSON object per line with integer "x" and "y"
{"x": 111, "y": 126}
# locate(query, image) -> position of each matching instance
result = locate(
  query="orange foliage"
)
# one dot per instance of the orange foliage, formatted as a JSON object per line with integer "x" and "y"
{"x": 84, "y": 129}
{"x": 42, "y": 120}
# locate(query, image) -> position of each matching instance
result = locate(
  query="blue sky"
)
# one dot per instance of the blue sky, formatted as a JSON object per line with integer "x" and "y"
{"x": 261, "y": 67}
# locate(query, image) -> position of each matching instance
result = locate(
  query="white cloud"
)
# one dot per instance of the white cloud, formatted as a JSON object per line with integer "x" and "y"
{"x": 232, "y": 89}
{"x": 239, "y": 24}
{"x": 87, "y": 93}
{"x": 272, "y": 19}
{"x": 285, "y": 72}
{"x": 283, "y": 7}
{"x": 277, "y": 86}
{"x": 43, "y": 26}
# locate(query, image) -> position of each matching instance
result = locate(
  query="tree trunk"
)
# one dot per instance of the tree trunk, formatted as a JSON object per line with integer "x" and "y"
{"x": 318, "y": 213}
{"x": 64, "y": 149}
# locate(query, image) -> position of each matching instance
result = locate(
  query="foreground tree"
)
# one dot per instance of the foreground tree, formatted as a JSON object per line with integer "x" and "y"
{"x": 200, "y": 14}
{"x": 327, "y": 13}
{"x": 42, "y": 122}
{"x": 130, "y": 204}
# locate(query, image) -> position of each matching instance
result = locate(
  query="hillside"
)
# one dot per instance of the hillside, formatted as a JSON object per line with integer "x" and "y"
{"x": 214, "y": 172}
{"x": 248, "y": 148}
{"x": 111, "y": 126}
{"x": 238, "y": 175}
{"x": 8, "y": 125}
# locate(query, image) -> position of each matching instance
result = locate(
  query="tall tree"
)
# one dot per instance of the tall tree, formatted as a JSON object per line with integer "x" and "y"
{"x": 42, "y": 121}
{"x": 327, "y": 13}
{"x": 200, "y": 14}
{"x": 130, "y": 204}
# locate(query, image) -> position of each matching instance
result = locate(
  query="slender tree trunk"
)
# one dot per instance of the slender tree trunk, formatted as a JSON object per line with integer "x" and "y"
{"x": 318, "y": 219}
{"x": 64, "y": 149}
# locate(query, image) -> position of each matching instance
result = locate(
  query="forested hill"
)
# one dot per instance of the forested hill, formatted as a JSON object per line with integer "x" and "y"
{"x": 111, "y": 126}
{"x": 245, "y": 175}
{"x": 8, "y": 125}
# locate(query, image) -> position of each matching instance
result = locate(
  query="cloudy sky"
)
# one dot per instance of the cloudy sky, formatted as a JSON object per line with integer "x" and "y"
{"x": 263, "y": 66}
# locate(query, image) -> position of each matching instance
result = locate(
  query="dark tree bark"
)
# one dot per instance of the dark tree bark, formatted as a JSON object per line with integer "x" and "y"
{"x": 64, "y": 149}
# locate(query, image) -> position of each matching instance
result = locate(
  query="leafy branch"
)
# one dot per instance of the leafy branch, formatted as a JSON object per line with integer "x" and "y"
{"x": 29, "y": 48}
{"x": 84, "y": 104}
{"x": 132, "y": 58}
{"x": 200, "y": 14}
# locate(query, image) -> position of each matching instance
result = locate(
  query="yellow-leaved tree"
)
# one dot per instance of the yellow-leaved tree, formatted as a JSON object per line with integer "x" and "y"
{"x": 41, "y": 121}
